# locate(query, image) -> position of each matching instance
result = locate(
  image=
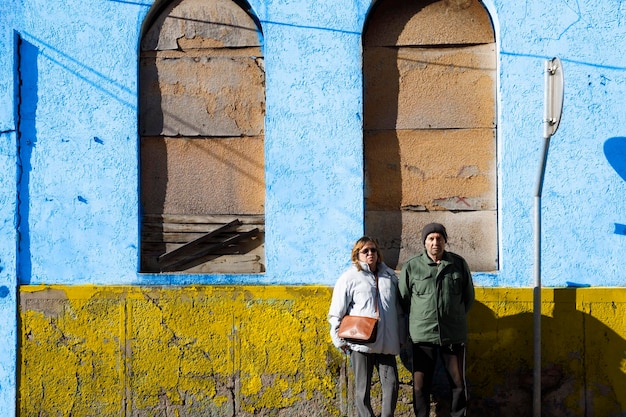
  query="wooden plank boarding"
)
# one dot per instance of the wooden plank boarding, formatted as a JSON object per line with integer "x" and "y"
{"x": 210, "y": 252}
{"x": 189, "y": 247}
{"x": 204, "y": 245}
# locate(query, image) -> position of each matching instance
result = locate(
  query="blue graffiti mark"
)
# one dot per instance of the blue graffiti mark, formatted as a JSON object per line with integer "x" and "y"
{"x": 615, "y": 152}
{"x": 577, "y": 284}
{"x": 4, "y": 291}
{"x": 576, "y": 21}
{"x": 604, "y": 80}
{"x": 560, "y": 20}
{"x": 98, "y": 140}
{"x": 82, "y": 199}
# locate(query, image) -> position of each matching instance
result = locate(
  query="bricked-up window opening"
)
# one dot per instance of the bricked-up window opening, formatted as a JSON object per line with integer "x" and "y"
{"x": 429, "y": 70}
{"x": 202, "y": 111}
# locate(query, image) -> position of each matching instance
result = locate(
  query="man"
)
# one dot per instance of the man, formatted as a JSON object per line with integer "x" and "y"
{"x": 436, "y": 288}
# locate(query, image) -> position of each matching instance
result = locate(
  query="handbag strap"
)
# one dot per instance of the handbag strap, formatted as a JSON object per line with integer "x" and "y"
{"x": 376, "y": 278}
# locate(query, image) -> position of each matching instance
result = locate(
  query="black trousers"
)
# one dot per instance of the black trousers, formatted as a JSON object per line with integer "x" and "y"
{"x": 424, "y": 361}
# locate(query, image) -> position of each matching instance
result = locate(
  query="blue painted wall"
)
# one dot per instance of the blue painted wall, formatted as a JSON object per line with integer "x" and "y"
{"x": 74, "y": 208}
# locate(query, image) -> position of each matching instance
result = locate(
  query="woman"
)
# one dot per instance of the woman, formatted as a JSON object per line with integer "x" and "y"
{"x": 366, "y": 283}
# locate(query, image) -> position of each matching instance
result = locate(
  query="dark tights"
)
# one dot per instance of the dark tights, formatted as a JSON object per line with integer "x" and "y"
{"x": 424, "y": 360}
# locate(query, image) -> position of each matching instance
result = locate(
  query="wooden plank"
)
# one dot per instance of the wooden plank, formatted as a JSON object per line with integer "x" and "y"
{"x": 160, "y": 238}
{"x": 156, "y": 249}
{"x": 241, "y": 260}
{"x": 191, "y": 227}
{"x": 230, "y": 264}
{"x": 202, "y": 243}
{"x": 199, "y": 252}
{"x": 194, "y": 243}
{"x": 203, "y": 218}
{"x": 182, "y": 227}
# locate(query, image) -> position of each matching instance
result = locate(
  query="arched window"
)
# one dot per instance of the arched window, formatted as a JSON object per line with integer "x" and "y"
{"x": 429, "y": 70}
{"x": 202, "y": 110}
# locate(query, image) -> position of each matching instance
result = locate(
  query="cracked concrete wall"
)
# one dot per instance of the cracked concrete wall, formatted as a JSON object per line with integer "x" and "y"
{"x": 218, "y": 351}
{"x": 429, "y": 73}
{"x": 252, "y": 350}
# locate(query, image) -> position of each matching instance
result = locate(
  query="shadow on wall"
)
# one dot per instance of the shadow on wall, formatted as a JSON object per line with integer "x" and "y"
{"x": 27, "y": 137}
{"x": 381, "y": 91}
{"x": 156, "y": 159}
{"x": 581, "y": 359}
{"x": 382, "y": 192}
{"x": 615, "y": 152}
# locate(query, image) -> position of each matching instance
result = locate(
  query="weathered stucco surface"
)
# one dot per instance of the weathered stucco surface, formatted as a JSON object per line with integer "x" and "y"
{"x": 425, "y": 22}
{"x": 188, "y": 351}
{"x": 199, "y": 176}
{"x": 430, "y": 88}
{"x": 439, "y": 170}
{"x": 402, "y": 239}
{"x": 251, "y": 350}
{"x": 202, "y": 93}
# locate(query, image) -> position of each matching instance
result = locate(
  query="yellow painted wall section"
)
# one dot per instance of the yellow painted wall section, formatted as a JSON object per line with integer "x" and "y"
{"x": 265, "y": 350}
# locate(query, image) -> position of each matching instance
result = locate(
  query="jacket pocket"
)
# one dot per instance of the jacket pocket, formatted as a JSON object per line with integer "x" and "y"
{"x": 423, "y": 287}
{"x": 455, "y": 283}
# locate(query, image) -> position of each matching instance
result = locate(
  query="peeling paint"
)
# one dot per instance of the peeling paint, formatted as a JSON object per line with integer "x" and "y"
{"x": 252, "y": 348}
{"x": 256, "y": 350}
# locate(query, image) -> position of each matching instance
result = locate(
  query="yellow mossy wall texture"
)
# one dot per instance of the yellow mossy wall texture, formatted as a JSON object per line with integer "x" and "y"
{"x": 265, "y": 350}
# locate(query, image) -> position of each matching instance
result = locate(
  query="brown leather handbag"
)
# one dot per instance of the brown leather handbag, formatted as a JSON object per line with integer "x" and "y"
{"x": 360, "y": 329}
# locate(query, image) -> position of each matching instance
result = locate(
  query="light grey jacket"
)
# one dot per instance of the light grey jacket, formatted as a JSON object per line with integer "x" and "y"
{"x": 355, "y": 293}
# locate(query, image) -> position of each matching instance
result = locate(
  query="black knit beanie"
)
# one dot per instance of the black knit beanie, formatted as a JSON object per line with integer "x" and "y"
{"x": 434, "y": 228}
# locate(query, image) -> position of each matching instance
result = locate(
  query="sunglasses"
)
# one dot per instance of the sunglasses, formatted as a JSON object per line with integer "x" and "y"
{"x": 368, "y": 250}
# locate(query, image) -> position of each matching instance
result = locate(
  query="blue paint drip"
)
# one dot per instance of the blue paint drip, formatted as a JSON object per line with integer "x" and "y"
{"x": 620, "y": 229}
{"x": 82, "y": 199}
{"x": 4, "y": 291}
{"x": 98, "y": 140}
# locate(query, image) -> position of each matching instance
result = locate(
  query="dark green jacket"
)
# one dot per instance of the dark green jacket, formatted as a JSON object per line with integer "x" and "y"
{"x": 437, "y": 298}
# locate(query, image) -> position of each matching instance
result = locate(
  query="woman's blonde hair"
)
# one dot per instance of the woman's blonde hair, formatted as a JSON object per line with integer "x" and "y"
{"x": 357, "y": 248}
